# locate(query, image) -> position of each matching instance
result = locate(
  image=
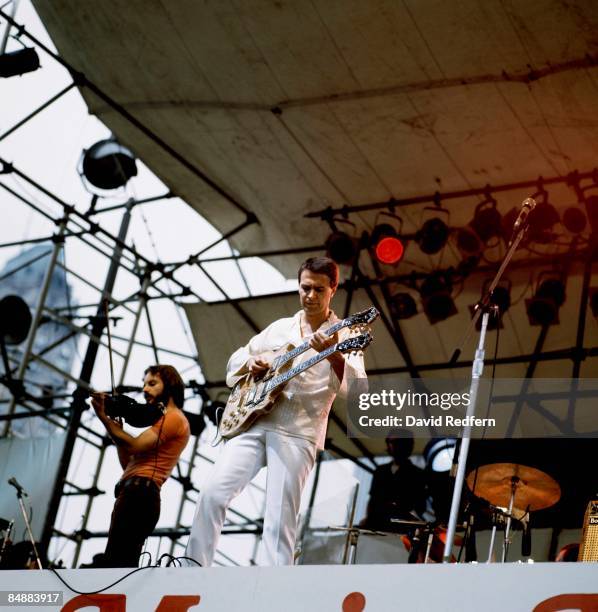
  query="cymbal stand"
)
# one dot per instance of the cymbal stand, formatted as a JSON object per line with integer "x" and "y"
{"x": 430, "y": 541}
{"x": 507, "y": 541}
{"x": 498, "y": 519}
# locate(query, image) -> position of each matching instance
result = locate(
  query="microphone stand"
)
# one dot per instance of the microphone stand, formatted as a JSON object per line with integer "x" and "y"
{"x": 20, "y": 493}
{"x": 483, "y": 308}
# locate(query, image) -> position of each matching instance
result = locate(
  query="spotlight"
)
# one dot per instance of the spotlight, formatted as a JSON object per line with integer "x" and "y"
{"x": 436, "y": 298}
{"x": 341, "y": 247}
{"x": 574, "y": 220}
{"x": 500, "y": 297}
{"x": 18, "y": 62}
{"x": 543, "y": 308}
{"x": 386, "y": 244}
{"x": 15, "y": 319}
{"x": 541, "y": 221}
{"x": 403, "y": 305}
{"x": 486, "y": 220}
{"x": 108, "y": 165}
{"x": 432, "y": 236}
{"x": 438, "y": 454}
{"x": 468, "y": 242}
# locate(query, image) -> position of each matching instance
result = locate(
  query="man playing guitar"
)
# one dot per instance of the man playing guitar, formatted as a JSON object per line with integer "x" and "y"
{"x": 286, "y": 439}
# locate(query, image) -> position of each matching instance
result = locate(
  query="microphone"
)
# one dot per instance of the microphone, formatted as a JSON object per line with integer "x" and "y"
{"x": 15, "y": 483}
{"x": 526, "y": 208}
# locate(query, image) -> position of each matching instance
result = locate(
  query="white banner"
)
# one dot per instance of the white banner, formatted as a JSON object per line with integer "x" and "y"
{"x": 539, "y": 587}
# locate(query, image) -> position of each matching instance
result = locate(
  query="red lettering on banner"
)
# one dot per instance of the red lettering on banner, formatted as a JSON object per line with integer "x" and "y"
{"x": 354, "y": 602}
{"x": 177, "y": 603}
{"x": 104, "y": 603}
{"x": 584, "y": 602}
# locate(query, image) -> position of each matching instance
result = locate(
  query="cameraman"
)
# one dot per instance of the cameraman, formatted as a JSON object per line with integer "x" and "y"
{"x": 147, "y": 461}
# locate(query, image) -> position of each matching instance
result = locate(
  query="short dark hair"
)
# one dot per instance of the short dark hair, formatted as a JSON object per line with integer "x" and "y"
{"x": 174, "y": 387}
{"x": 321, "y": 265}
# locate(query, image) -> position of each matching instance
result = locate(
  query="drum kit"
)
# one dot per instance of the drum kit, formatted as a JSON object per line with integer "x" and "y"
{"x": 509, "y": 492}
{"x": 513, "y": 491}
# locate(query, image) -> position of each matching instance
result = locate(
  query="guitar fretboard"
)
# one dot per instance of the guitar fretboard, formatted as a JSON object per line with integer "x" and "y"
{"x": 282, "y": 378}
{"x": 298, "y": 350}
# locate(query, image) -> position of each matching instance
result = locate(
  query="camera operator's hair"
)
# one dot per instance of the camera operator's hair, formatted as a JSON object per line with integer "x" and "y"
{"x": 321, "y": 265}
{"x": 173, "y": 383}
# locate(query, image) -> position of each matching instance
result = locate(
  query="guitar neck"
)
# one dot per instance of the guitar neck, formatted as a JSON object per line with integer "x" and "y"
{"x": 283, "y": 378}
{"x": 299, "y": 350}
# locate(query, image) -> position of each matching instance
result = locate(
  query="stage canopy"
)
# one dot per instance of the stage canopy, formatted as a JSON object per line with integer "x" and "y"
{"x": 294, "y": 107}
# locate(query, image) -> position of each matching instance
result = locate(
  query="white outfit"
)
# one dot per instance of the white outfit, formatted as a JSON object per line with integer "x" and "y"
{"x": 285, "y": 441}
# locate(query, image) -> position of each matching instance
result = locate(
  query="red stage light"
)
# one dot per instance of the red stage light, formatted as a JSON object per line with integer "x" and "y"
{"x": 389, "y": 250}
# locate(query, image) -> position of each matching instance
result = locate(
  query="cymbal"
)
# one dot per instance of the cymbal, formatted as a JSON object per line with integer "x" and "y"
{"x": 534, "y": 489}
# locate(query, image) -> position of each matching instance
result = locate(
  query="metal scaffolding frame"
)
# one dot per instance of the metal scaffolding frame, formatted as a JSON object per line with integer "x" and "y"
{"x": 75, "y": 225}
{"x": 70, "y": 415}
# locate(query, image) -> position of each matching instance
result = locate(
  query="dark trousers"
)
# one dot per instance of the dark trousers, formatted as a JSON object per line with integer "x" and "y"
{"x": 136, "y": 512}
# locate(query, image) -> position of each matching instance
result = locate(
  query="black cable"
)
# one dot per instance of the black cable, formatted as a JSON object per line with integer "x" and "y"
{"x": 145, "y": 552}
{"x": 171, "y": 559}
{"x": 189, "y": 559}
{"x": 68, "y": 586}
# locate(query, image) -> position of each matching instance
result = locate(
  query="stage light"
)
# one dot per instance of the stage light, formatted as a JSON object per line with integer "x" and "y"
{"x": 403, "y": 305}
{"x": 15, "y": 319}
{"x": 16, "y": 63}
{"x": 500, "y": 297}
{"x": 432, "y": 236}
{"x": 108, "y": 165}
{"x": 386, "y": 244}
{"x": 543, "y": 308}
{"x": 486, "y": 220}
{"x": 468, "y": 242}
{"x": 438, "y": 304}
{"x": 574, "y": 220}
{"x": 341, "y": 247}
{"x": 541, "y": 220}
{"x": 438, "y": 454}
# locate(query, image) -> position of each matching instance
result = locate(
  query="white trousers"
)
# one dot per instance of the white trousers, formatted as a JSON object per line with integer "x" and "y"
{"x": 289, "y": 461}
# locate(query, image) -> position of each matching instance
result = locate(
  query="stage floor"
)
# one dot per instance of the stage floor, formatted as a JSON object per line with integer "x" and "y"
{"x": 538, "y": 587}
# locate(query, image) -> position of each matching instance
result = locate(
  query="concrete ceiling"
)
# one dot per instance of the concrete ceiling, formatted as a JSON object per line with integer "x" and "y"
{"x": 375, "y": 99}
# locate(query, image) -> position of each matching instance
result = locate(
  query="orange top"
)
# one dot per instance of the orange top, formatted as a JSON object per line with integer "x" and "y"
{"x": 157, "y": 464}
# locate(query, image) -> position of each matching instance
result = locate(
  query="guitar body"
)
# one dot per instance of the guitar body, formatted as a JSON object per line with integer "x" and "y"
{"x": 249, "y": 399}
{"x": 252, "y": 398}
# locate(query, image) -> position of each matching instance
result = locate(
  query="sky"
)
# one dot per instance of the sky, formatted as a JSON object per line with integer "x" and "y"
{"x": 48, "y": 149}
